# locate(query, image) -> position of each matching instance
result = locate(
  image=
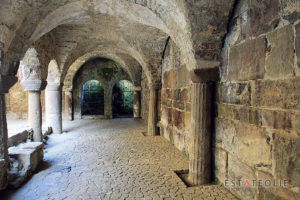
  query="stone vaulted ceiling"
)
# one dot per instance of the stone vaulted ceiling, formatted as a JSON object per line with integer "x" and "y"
{"x": 133, "y": 32}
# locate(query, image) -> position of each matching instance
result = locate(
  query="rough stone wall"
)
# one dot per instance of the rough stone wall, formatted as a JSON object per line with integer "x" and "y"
{"x": 103, "y": 70}
{"x": 175, "y": 99}
{"x": 258, "y": 100}
{"x": 17, "y": 102}
{"x": 144, "y": 98}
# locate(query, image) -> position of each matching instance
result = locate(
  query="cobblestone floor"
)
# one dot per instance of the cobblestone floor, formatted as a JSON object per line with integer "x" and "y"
{"x": 111, "y": 159}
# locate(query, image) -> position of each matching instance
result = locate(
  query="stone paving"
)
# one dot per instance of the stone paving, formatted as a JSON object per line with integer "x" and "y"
{"x": 111, "y": 159}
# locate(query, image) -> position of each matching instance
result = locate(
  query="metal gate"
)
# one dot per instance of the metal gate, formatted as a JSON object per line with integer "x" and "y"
{"x": 123, "y": 99}
{"x": 92, "y": 98}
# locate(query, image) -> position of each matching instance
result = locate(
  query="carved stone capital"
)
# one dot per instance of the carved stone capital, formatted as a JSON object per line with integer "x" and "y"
{"x": 33, "y": 85}
{"x": 6, "y": 82}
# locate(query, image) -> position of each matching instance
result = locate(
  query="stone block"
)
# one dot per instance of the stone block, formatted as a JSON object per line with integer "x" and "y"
{"x": 237, "y": 170}
{"x": 276, "y": 119}
{"x": 261, "y": 17}
{"x": 220, "y": 164}
{"x": 280, "y": 58}
{"x": 247, "y": 60}
{"x": 234, "y": 93}
{"x": 283, "y": 93}
{"x": 17, "y": 138}
{"x": 3, "y": 174}
{"x": 286, "y": 153}
{"x": 242, "y": 139}
{"x": 28, "y": 154}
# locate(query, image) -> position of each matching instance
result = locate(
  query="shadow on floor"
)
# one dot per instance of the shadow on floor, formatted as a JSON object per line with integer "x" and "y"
{"x": 10, "y": 191}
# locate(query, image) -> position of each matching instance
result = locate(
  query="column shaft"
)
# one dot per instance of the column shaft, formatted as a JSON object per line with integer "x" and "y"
{"x": 68, "y": 105}
{"x": 53, "y": 110}
{"x": 152, "y": 118}
{"x": 201, "y": 121}
{"x": 137, "y": 104}
{"x": 35, "y": 115}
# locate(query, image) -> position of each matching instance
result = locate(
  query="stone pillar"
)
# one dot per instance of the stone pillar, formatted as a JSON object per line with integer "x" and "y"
{"x": 200, "y": 159}
{"x": 6, "y": 82}
{"x": 201, "y": 124}
{"x": 152, "y": 115}
{"x": 69, "y": 104}
{"x": 53, "y": 107}
{"x": 108, "y": 102}
{"x": 137, "y": 102}
{"x": 35, "y": 114}
{"x": 34, "y": 88}
{"x": 31, "y": 80}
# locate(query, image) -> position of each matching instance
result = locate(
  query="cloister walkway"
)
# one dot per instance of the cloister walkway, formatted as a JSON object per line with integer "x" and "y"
{"x": 111, "y": 159}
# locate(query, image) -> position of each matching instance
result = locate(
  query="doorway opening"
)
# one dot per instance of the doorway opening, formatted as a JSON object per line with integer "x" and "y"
{"x": 122, "y": 104}
{"x": 92, "y": 98}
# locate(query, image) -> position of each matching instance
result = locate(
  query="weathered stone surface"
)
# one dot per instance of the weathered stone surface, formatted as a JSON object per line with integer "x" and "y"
{"x": 247, "y": 60}
{"x": 263, "y": 17}
{"x": 234, "y": 93}
{"x": 297, "y": 47}
{"x": 220, "y": 164}
{"x": 279, "y": 62}
{"x": 276, "y": 119}
{"x": 242, "y": 139}
{"x": 28, "y": 154}
{"x": 286, "y": 152}
{"x": 236, "y": 112}
{"x": 237, "y": 170}
{"x": 297, "y": 123}
{"x": 18, "y": 138}
{"x": 270, "y": 188}
{"x": 276, "y": 93}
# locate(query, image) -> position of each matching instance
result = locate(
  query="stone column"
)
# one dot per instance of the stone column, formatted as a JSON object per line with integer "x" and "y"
{"x": 69, "y": 104}
{"x": 35, "y": 114}
{"x": 6, "y": 82}
{"x": 34, "y": 88}
{"x": 53, "y": 107}
{"x": 137, "y": 102}
{"x": 200, "y": 159}
{"x": 152, "y": 114}
{"x": 108, "y": 102}
{"x": 201, "y": 125}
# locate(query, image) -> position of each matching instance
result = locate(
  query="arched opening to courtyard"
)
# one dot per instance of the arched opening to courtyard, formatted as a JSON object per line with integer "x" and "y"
{"x": 122, "y": 99}
{"x": 92, "y": 98}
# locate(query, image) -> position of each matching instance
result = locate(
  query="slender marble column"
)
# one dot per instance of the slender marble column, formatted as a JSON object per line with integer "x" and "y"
{"x": 34, "y": 88}
{"x": 53, "y": 107}
{"x": 152, "y": 113}
{"x": 35, "y": 114}
{"x": 201, "y": 121}
{"x": 137, "y": 102}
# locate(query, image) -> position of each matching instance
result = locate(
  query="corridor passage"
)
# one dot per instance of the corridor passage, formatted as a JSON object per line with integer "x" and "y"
{"x": 111, "y": 159}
